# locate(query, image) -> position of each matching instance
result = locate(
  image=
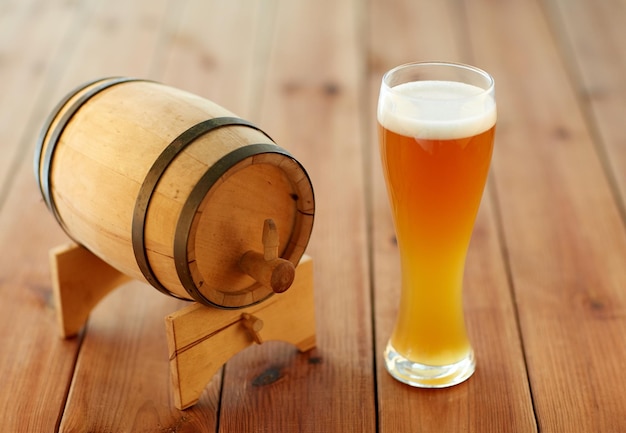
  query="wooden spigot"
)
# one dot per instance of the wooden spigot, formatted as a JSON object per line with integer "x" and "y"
{"x": 253, "y": 325}
{"x": 267, "y": 268}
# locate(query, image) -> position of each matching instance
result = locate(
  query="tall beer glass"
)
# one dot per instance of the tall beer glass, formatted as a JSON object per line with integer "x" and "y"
{"x": 436, "y": 124}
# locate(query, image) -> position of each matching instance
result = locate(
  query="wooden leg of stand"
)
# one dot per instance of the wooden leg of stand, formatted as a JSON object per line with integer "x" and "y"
{"x": 201, "y": 339}
{"x": 80, "y": 280}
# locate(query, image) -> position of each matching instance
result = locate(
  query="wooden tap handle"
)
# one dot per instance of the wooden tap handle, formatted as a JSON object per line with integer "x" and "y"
{"x": 267, "y": 268}
{"x": 253, "y": 325}
{"x": 278, "y": 274}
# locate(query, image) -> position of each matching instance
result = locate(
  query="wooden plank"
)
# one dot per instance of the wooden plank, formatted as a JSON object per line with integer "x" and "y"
{"x": 497, "y": 397}
{"x": 310, "y": 106}
{"x": 12, "y": 16}
{"x": 36, "y": 365}
{"x": 30, "y": 35}
{"x": 564, "y": 237}
{"x": 111, "y": 40}
{"x": 219, "y": 50}
{"x": 122, "y": 374}
{"x": 592, "y": 37}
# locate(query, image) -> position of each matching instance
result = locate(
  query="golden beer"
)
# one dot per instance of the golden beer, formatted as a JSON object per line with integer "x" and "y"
{"x": 436, "y": 140}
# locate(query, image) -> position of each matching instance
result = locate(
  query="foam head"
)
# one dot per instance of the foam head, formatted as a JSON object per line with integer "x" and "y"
{"x": 439, "y": 110}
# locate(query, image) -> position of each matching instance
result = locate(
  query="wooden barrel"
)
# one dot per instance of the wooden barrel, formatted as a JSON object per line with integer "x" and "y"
{"x": 171, "y": 188}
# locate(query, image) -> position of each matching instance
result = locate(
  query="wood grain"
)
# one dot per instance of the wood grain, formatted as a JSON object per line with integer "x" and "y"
{"x": 36, "y": 365}
{"x": 121, "y": 382}
{"x": 591, "y": 39}
{"x": 25, "y": 61}
{"x": 545, "y": 277}
{"x": 562, "y": 229}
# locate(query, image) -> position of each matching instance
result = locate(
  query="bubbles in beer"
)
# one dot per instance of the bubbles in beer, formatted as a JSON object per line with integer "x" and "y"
{"x": 439, "y": 110}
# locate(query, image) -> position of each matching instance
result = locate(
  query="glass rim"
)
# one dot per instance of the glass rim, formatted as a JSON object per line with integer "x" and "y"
{"x": 453, "y": 65}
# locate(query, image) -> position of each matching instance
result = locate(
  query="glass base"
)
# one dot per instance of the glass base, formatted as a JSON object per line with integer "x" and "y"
{"x": 428, "y": 376}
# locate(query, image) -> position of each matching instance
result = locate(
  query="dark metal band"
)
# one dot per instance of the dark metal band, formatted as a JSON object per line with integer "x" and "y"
{"x": 151, "y": 181}
{"x": 191, "y": 206}
{"x": 43, "y": 162}
{"x": 48, "y": 124}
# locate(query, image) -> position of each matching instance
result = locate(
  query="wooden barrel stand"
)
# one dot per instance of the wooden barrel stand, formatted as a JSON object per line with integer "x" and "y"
{"x": 200, "y": 338}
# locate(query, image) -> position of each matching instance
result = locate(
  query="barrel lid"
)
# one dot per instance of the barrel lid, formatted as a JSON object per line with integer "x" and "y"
{"x": 224, "y": 218}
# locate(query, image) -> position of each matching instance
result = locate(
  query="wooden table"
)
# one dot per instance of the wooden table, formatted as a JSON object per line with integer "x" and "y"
{"x": 546, "y": 275}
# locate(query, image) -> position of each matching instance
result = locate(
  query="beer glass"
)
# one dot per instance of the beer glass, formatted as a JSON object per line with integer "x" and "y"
{"x": 436, "y": 125}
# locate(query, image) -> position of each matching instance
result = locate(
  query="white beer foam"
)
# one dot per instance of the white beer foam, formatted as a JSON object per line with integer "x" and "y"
{"x": 438, "y": 110}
